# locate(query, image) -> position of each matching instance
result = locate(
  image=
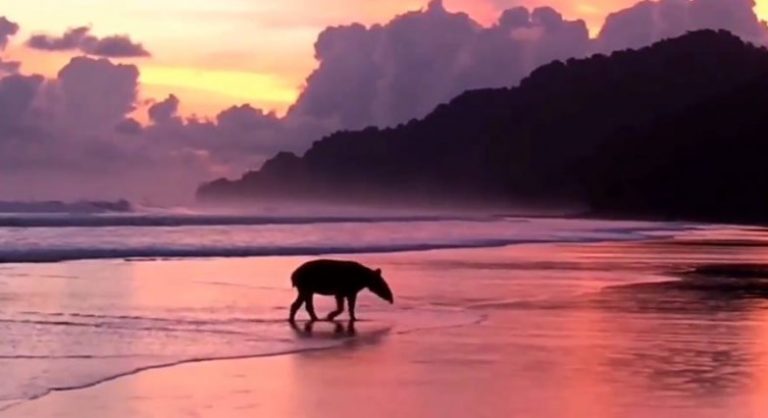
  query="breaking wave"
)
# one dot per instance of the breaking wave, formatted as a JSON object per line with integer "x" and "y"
{"x": 71, "y": 254}
{"x": 55, "y": 206}
{"x": 132, "y": 220}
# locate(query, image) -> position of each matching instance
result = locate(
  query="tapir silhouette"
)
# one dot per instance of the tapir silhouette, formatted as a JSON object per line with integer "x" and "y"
{"x": 342, "y": 279}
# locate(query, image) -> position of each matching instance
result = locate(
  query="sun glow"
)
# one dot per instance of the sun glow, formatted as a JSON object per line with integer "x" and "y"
{"x": 267, "y": 90}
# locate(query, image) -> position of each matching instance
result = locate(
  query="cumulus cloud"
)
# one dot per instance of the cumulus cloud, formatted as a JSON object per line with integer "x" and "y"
{"x": 72, "y": 136}
{"x": 78, "y": 135}
{"x": 17, "y": 94}
{"x": 9, "y": 67}
{"x": 116, "y": 46}
{"x": 649, "y": 21}
{"x": 165, "y": 111}
{"x": 238, "y": 138}
{"x": 129, "y": 126}
{"x": 7, "y": 30}
{"x": 77, "y": 130}
{"x": 388, "y": 74}
{"x": 70, "y": 40}
{"x": 92, "y": 94}
{"x": 80, "y": 39}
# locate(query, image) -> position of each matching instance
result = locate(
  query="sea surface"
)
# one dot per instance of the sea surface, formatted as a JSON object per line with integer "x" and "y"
{"x": 90, "y": 233}
{"x": 89, "y": 296}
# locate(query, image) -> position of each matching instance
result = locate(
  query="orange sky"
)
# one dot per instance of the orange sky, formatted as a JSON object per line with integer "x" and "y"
{"x": 214, "y": 54}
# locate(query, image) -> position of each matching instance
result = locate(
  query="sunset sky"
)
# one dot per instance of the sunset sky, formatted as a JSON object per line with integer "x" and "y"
{"x": 167, "y": 94}
{"x": 213, "y": 54}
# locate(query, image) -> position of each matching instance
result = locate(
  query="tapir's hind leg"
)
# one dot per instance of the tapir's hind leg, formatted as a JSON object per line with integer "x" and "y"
{"x": 352, "y": 301}
{"x": 295, "y": 306}
{"x": 310, "y": 305}
{"x": 339, "y": 308}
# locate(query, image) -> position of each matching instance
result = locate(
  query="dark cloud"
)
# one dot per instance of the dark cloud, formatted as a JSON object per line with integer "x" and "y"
{"x": 129, "y": 126}
{"x": 247, "y": 118}
{"x": 7, "y": 30}
{"x": 165, "y": 111}
{"x": 9, "y": 67}
{"x": 80, "y": 39}
{"x": 117, "y": 46}
{"x": 72, "y": 39}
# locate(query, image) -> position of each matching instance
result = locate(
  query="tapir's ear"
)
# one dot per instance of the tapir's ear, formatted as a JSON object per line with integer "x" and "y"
{"x": 378, "y": 272}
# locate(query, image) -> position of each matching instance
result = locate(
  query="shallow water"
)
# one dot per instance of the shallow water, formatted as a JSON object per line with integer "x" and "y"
{"x": 69, "y": 325}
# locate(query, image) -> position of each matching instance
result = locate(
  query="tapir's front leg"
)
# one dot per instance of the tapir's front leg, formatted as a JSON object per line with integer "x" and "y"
{"x": 339, "y": 308}
{"x": 310, "y": 305}
{"x": 295, "y": 306}
{"x": 352, "y": 300}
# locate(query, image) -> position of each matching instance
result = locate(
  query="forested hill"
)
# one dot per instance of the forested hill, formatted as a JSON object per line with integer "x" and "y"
{"x": 675, "y": 129}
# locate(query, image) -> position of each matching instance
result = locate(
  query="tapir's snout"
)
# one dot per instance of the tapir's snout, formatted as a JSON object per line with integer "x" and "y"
{"x": 382, "y": 290}
{"x": 387, "y": 293}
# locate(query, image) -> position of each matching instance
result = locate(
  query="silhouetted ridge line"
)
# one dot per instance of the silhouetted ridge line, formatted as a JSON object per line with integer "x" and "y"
{"x": 558, "y": 137}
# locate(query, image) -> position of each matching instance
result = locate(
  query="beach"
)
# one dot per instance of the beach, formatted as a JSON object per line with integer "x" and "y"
{"x": 555, "y": 329}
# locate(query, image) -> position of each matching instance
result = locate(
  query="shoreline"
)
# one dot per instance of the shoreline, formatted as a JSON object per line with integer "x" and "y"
{"x": 11, "y": 404}
{"x": 345, "y": 342}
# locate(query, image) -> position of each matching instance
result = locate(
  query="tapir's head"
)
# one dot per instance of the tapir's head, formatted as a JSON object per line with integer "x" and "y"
{"x": 379, "y": 287}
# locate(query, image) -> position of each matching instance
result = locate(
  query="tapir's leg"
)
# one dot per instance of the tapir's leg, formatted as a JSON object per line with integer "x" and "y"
{"x": 310, "y": 305}
{"x": 352, "y": 299}
{"x": 339, "y": 308}
{"x": 295, "y": 306}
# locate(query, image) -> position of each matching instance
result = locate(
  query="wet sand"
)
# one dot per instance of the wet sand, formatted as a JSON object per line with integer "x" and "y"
{"x": 598, "y": 330}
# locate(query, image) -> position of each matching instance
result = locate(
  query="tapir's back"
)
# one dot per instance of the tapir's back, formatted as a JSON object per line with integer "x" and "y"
{"x": 330, "y": 277}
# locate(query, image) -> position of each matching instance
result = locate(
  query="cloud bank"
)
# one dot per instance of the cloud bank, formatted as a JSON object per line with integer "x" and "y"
{"x": 76, "y": 135}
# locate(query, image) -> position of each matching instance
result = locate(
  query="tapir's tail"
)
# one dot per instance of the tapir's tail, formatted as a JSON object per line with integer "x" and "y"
{"x": 293, "y": 279}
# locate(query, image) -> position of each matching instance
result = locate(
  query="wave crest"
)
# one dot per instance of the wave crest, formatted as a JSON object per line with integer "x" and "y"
{"x": 59, "y": 207}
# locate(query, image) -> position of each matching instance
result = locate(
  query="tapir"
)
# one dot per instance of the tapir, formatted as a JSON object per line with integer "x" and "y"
{"x": 339, "y": 278}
